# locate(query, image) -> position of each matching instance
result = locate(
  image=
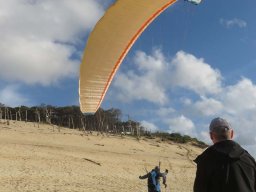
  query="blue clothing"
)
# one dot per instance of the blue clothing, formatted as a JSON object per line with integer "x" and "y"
{"x": 154, "y": 180}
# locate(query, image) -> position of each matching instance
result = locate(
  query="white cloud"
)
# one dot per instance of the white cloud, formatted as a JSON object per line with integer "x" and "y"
{"x": 155, "y": 76}
{"x": 10, "y": 96}
{"x": 205, "y": 137}
{"x": 208, "y": 106}
{"x": 149, "y": 126}
{"x": 182, "y": 125}
{"x": 194, "y": 74}
{"x": 39, "y": 38}
{"x": 150, "y": 63}
{"x": 236, "y": 103}
{"x": 186, "y": 101}
{"x": 240, "y": 97}
{"x": 244, "y": 127}
{"x": 149, "y": 85}
{"x": 233, "y": 23}
{"x": 165, "y": 112}
{"x": 42, "y": 62}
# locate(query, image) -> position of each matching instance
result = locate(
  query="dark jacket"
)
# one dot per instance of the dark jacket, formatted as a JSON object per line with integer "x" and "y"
{"x": 225, "y": 167}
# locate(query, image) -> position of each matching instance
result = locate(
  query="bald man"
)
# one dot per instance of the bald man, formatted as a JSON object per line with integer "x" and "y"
{"x": 225, "y": 166}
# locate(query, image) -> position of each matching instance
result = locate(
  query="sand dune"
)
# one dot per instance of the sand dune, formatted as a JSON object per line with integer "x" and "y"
{"x": 44, "y": 158}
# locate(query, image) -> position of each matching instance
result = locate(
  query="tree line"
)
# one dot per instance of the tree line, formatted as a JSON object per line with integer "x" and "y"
{"x": 103, "y": 121}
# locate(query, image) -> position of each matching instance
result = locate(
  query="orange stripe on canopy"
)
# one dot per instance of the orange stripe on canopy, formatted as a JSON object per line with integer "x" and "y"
{"x": 109, "y": 43}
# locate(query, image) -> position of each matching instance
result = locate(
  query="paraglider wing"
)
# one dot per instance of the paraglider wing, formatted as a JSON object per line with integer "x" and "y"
{"x": 109, "y": 43}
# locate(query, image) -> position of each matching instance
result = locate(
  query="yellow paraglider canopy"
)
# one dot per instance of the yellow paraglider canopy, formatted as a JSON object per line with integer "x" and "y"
{"x": 109, "y": 43}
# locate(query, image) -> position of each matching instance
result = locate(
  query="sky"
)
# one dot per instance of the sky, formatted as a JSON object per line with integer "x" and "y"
{"x": 193, "y": 63}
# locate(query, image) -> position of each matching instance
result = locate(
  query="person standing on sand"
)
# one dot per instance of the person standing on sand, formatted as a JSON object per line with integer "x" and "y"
{"x": 154, "y": 179}
{"x": 225, "y": 166}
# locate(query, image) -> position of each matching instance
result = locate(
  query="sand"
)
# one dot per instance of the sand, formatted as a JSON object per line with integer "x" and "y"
{"x": 46, "y": 158}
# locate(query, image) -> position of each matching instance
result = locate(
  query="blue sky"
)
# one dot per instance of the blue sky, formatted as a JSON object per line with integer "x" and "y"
{"x": 191, "y": 64}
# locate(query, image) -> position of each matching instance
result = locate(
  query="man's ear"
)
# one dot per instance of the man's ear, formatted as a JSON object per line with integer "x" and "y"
{"x": 231, "y": 133}
{"x": 211, "y": 135}
{"x": 213, "y": 138}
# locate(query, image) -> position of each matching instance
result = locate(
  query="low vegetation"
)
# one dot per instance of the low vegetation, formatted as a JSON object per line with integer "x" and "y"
{"x": 177, "y": 138}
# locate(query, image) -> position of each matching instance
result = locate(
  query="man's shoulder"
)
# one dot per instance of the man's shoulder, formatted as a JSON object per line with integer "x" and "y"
{"x": 206, "y": 155}
{"x": 248, "y": 159}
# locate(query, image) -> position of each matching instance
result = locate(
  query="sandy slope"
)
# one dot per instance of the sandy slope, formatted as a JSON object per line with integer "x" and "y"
{"x": 45, "y": 159}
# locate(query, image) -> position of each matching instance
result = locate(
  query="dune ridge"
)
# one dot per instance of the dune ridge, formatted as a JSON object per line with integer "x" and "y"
{"x": 44, "y": 157}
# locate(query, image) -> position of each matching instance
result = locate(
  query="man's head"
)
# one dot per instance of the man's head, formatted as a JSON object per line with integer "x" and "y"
{"x": 220, "y": 130}
{"x": 157, "y": 169}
